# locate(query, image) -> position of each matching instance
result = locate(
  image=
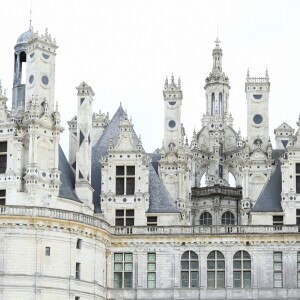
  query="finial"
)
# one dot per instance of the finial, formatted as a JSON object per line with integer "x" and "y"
{"x": 56, "y": 106}
{"x": 267, "y": 74}
{"x": 120, "y": 104}
{"x": 30, "y": 19}
{"x": 0, "y": 87}
{"x": 179, "y": 82}
{"x": 248, "y": 73}
{"x": 166, "y": 81}
{"x": 172, "y": 78}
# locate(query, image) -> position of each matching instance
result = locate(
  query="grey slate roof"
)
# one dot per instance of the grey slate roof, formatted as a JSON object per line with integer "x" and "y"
{"x": 269, "y": 199}
{"x": 100, "y": 149}
{"x": 160, "y": 200}
{"x": 66, "y": 189}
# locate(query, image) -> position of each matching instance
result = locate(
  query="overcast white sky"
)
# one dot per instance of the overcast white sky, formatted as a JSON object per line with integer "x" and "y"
{"x": 124, "y": 50}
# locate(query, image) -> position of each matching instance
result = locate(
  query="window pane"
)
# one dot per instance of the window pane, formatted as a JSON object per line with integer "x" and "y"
{"x": 210, "y": 279}
{"x": 128, "y": 280}
{"x": 118, "y": 256}
{"x": 298, "y": 168}
{"x": 278, "y": 279}
{"x": 220, "y": 255}
{"x": 237, "y": 264}
{"x": 151, "y": 276}
{"x": 246, "y": 255}
{"x": 247, "y": 264}
{"x": 237, "y": 255}
{"x": 297, "y": 184}
{"x": 220, "y": 279}
{"x": 118, "y": 280}
{"x": 128, "y": 256}
{"x": 298, "y": 265}
{"x": 237, "y": 279}
{"x": 128, "y": 267}
{"x": 247, "y": 279}
{"x": 151, "y": 219}
{"x": 130, "y": 186}
{"x": 277, "y": 256}
{"x": 211, "y": 255}
{"x": 151, "y": 280}
{"x": 185, "y": 255}
{"x": 298, "y": 256}
{"x": 118, "y": 266}
{"x": 210, "y": 264}
{"x": 3, "y": 160}
{"x": 184, "y": 265}
{"x": 185, "y": 279}
{"x": 120, "y": 170}
{"x": 2, "y": 193}
{"x": 120, "y": 186}
{"x": 3, "y": 147}
{"x": 194, "y": 265}
{"x": 119, "y": 212}
{"x": 151, "y": 256}
{"x": 130, "y": 170}
{"x": 277, "y": 266}
{"x": 194, "y": 255}
{"x": 194, "y": 279}
{"x": 221, "y": 265}
{"x": 151, "y": 266}
{"x": 129, "y": 222}
{"x": 130, "y": 212}
{"x": 119, "y": 222}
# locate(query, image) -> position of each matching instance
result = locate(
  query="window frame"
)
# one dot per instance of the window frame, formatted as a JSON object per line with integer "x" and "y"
{"x": 127, "y": 217}
{"x": 125, "y": 180}
{"x": 3, "y": 157}
{"x": 126, "y": 261}
{"x": 189, "y": 267}
{"x": 2, "y": 197}
{"x": 297, "y": 176}
{"x": 242, "y": 257}
{"x": 151, "y": 270}
{"x": 228, "y": 216}
{"x": 207, "y": 218}
{"x": 214, "y": 258}
{"x": 277, "y": 269}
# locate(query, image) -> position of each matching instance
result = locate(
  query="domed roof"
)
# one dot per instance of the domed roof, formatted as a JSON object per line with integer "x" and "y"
{"x": 24, "y": 37}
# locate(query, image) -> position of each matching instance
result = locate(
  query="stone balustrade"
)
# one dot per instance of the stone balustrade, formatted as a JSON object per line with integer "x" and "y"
{"x": 42, "y": 212}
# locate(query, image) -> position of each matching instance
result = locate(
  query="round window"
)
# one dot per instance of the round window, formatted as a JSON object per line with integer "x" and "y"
{"x": 31, "y": 78}
{"x": 257, "y": 119}
{"x": 172, "y": 124}
{"x": 45, "y": 80}
{"x": 46, "y": 56}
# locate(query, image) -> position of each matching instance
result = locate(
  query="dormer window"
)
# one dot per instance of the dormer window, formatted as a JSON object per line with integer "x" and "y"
{"x": 298, "y": 178}
{"x": 125, "y": 180}
{"x": 3, "y": 157}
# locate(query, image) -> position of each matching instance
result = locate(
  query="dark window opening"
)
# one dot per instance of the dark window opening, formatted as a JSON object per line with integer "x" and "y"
{"x": 151, "y": 221}
{"x": 125, "y": 180}
{"x": 124, "y": 217}
{"x": 2, "y": 197}
{"x": 78, "y": 243}
{"x": 298, "y": 178}
{"x": 3, "y": 157}
{"x": 47, "y": 251}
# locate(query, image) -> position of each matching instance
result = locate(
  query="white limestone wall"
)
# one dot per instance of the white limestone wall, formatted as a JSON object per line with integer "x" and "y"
{"x": 28, "y": 273}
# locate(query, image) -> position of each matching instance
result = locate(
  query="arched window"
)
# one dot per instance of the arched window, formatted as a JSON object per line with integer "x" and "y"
{"x": 215, "y": 270}
{"x": 220, "y": 104}
{"x": 212, "y": 104}
{"x": 228, "y": 218}
{"x": 205, "y": 218}
{"x": 189, "y": 270}
{"x": 242, "y": 270}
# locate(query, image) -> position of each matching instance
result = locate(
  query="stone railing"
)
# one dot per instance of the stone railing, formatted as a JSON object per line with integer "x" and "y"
{"x": 43, "y": 212}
